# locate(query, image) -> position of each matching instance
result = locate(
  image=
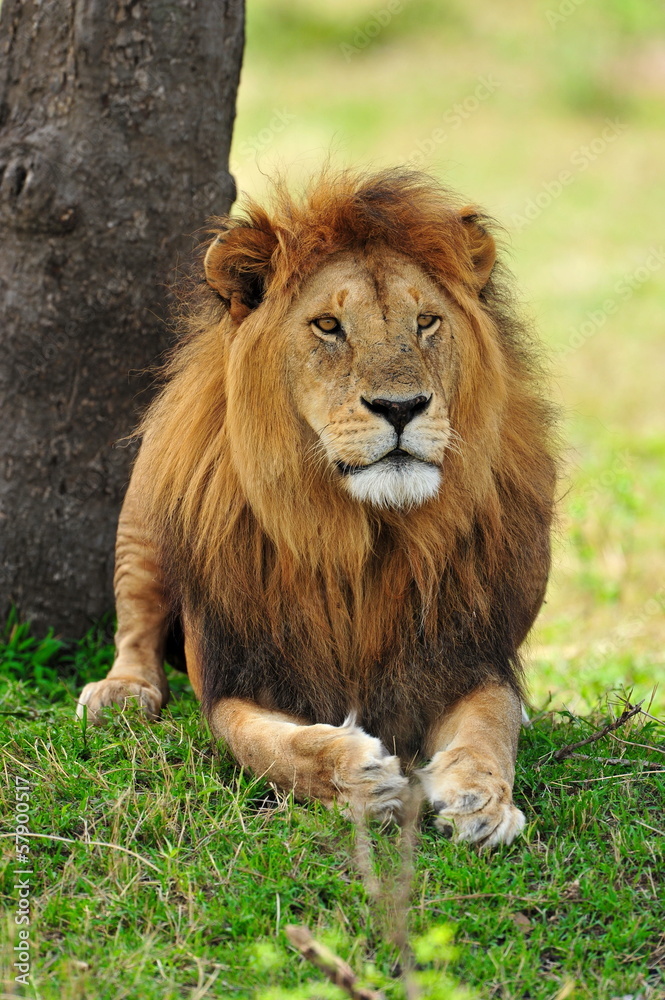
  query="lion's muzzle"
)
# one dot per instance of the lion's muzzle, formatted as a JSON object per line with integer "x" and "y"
{"x": 398, "y": 412}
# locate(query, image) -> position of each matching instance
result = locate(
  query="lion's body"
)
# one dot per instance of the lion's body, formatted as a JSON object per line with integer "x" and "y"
{"x": 349, "y": 518}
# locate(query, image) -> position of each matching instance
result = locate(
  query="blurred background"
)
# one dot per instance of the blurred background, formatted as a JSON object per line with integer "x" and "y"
{"x": 551, "y": 116}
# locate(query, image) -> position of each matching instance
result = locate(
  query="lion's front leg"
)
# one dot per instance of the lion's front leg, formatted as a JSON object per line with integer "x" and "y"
{"x": 469, "y": 779}
{"x": 329, "y": 763}
{"x": 137, "y": 675}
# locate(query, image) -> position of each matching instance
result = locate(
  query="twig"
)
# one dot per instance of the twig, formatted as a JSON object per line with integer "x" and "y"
{"x": 458, "y": 897}
{"x": 648, "y": 764}
{"x": 335, "y": 968}
{"x": 642, "y": 746}
{"x": 403, "y": 887}
{"x": 363, "y": 859}
{"x": 605, "y": 777}
{"x": 392, "y": 899}
{"x": 652, "y": 828}
{"x": 661, "y": 722}
{"x": 628, "y": 713}
{"x": 87, "y": 843}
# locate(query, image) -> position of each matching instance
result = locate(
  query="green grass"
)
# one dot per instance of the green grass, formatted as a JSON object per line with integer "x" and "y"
{"x": 218, "y": 867}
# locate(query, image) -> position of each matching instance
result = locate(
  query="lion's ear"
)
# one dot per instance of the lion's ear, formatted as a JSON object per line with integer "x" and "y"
{"x": 481, "y": 246}
{"x": 237, "y": 265}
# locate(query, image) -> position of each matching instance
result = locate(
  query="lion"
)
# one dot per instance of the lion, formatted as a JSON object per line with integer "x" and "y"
{"x": 344, "y": 492}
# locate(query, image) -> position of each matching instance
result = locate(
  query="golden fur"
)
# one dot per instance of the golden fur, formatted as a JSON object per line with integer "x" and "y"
{"x": 295, "y": 596}
{"x": 246, "y": 511}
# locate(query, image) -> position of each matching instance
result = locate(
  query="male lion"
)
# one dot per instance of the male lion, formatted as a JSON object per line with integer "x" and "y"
{"x": 344, "y": 492}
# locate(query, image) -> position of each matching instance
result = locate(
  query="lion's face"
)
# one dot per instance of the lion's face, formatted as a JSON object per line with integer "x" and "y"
{"x": 371, "y": 367}
{"x": 357, "y": 317}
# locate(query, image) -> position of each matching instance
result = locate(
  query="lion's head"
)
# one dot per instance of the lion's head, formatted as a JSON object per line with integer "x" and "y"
{"x": 351, "y": 461}
{"x": 371, "y": 339}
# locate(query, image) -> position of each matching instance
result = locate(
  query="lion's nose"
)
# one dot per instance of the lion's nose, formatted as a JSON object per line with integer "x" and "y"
{"x": 398, "y": 412}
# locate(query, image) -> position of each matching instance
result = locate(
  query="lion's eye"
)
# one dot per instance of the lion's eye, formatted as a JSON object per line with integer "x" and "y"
{"x": 426, "y": 321}
{"x": 328, "y": 324}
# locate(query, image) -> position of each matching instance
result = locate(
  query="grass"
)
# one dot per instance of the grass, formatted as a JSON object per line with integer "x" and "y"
{"x": 208, "y": 867}
{"x": 216, "y": 868}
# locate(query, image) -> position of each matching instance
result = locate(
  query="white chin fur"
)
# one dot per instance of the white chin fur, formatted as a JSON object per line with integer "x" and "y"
{"x": 388, "y": 485}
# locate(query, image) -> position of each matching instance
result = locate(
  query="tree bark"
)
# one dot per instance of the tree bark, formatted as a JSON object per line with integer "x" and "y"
{"x": 115, "y": 127}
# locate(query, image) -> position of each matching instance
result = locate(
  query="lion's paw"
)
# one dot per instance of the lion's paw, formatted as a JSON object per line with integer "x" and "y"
{"x": 122, "y": 691}
{"x": 374, "y": 785}
{"x": 367, "y": 780}
{"x": 472, "y": 802}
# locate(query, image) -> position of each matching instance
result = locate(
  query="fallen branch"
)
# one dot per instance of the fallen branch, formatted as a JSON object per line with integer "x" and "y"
{"x": 649, "y": 765}
{"x": 335, "y": 968}
{"x": 568, "y": 751}
{"x": 626, "y": 776}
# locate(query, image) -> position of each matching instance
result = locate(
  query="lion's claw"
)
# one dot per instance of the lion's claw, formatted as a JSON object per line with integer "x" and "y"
{"x": 371, "y": 781}
{"x": 473, "y": 804}
{"x": 499, "y": 826}
{"x": 121, "y": 691}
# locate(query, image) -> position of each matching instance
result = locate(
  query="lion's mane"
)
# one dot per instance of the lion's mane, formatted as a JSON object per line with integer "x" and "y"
{"x": 297, "y": 595}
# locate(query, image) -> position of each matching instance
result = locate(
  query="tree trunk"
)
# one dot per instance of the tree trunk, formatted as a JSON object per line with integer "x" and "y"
{"x": 115, "y": 127}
